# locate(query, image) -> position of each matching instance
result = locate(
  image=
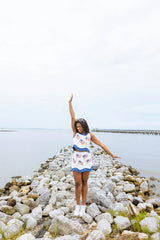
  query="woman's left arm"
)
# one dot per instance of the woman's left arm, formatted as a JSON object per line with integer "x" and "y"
{"x": 96, "y": 141}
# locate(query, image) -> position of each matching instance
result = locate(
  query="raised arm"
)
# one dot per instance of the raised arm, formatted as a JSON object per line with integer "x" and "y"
{"x": 72, "y": 115}
{"x": 96, "y": 141}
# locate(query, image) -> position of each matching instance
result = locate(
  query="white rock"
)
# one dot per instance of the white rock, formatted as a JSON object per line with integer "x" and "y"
{"x": 98, "y": 196}
{"x": 104, "y": 226}
{"x": 106, "y": 216}
{"x": 16, "y": 215}
{"x": 144, "y": 186}
{"x": 2, "y": 226}
{"x": 65, "y": 226}
{"x": 43, "y": 199}
{"x": 118, "y": 207}
{"x": 63, "y": 186}
{"x": 26, "y": 236}
{"x": 93, "y": 210}
{"x": 53, "y": 196}
{"x": 122, "y": 197}
{"x": 110, "y": 196}
{"x": 65, "y": 209}
{"x": 129, "y": 187}
{"x": 45, "y": 181}
{"x": 87, "y": 218}
{"x": 149, "y": 223}
{"x": 59, "y": 174}
{"x": 13, "y": 228}
{"x": 29, "y": 220}
{"x": 56, "y": 213}
{"x": 155, "y": 236}
{"x": 141, "y": 206}
{"x": 122, "y": 222}
{"x": 47, "y": 210}
{"x": 34, "y": 184}
{"x": 37, "y": 213}
{"x": 96, "y": 235}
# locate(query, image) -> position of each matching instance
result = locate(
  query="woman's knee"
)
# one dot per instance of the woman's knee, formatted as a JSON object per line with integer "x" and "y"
{"x": 77, "y": 184}
{"x": 84, "y": 182}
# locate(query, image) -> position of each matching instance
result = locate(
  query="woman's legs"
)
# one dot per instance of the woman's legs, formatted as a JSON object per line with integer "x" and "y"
{"x": 78, "y": 181}
{"x": 85, "y": 176}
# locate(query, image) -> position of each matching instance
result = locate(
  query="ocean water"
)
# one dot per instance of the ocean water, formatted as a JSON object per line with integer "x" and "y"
{"x": 23, "y": 151}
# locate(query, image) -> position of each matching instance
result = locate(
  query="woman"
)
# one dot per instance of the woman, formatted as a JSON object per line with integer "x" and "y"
{"x": 81, "y": 159}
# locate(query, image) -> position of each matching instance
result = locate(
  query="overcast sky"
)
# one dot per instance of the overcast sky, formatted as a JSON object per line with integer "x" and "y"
{"x": 107, "y": 53}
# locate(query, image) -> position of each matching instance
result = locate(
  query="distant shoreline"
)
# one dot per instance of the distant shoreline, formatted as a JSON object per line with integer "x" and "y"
{"x": 8, "y": 130}
{"x": 152, "y": 132}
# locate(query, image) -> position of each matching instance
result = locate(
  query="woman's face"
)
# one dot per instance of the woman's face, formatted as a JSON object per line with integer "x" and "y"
{"x": 79, "y": 128}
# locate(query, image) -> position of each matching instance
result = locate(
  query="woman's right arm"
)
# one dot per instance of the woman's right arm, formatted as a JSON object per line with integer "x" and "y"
{"x": 72, "y": 115}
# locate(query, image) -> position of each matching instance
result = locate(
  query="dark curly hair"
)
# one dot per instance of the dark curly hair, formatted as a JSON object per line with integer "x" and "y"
{"x": 83, "y": 123}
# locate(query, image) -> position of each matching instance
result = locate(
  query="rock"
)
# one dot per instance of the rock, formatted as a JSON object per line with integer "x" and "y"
{"x": 155, "y": 236}
{"x": 104, "y": 226}
{"x": 55, "y": 213}
{"x": 122, "y": 222}
{"x": 110, "y": 185}
{"x": 2, "y": 226}
{"x": 87, "y": 218}
{"x": 96, "y": 235}
{"x": 4, "y": 217}
{"x": 37, "y": 213}
{"x": 93, "y": 210}
{"x": 69, "y": 237}
{"x": 22, "y": 208}
{"x": 141, "y": 206}
{"x": 149, "y": 224}
{"x": 118, "y": 207}
{"x": 13, "y": 227}
{"x": 11, "y": 202}
{"x": 99, "y": 197}
{"x": 26, "y": 236}
{"x": 61, "y": 195}
{"x": 16, "y": 215}
{"x": 137, "y": 200}
{"x": 117, "y": 177}
{"x": 144, "y": 187}
{"x": 24, "y": 189}
{"x": 43, "y": 199}
{"x": 130, "y": 178}
{"x": 47, "y": 210}
{"x": 29, "y": 220}
{"x": 122, "y": 197}
{"x": 34, "y": 183}
{"x": 106, "y": 216}
{"x": 65, "y": 226}
{"x": 65, "y": 209}
{"x": 29, "y": 202}
{"x": 59, "y": 174}
{"x": 134, "y": 235}
{"x": 157, "y": 210}
{"x": 7, "y": 209}
{"x": 129, "y": 187}
{"x": 53, "y": 196}
{"x": 154, "y": 201}
{"x": 63, "y": 186}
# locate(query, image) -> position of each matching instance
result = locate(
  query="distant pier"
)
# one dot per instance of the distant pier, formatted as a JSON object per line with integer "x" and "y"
{"x": 136, "y": 131}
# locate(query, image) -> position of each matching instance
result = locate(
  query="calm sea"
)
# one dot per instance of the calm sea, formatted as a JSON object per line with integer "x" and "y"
{"x": 23, "y": 151}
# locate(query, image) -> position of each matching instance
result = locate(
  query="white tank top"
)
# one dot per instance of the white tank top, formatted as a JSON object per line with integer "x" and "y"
{"x": 81, "y": 142}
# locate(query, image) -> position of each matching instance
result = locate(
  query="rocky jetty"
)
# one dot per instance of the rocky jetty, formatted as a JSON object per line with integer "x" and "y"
{"x": 120, "y": 203}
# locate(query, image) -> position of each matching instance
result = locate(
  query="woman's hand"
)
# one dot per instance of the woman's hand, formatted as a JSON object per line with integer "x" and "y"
{"x": 113, "y": 156}
{"x": 70, "y": 100}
